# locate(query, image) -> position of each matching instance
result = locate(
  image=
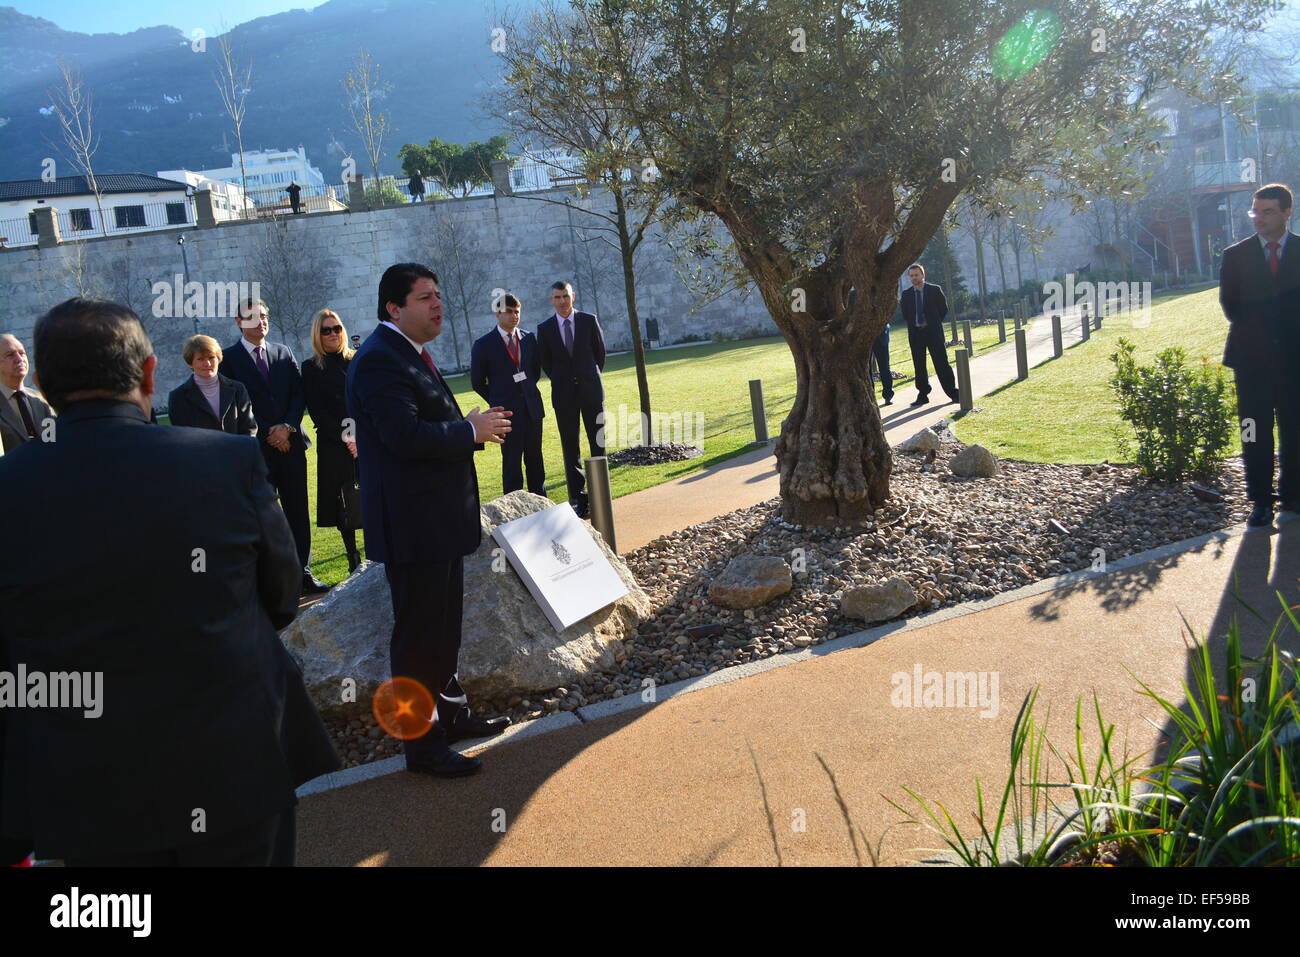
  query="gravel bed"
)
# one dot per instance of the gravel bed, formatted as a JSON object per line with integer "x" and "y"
{"x": 953, "y": 539}
{"x": 655, "y": 454}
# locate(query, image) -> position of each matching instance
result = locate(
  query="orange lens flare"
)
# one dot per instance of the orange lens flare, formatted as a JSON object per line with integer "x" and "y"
{"x": 404, "y": 708}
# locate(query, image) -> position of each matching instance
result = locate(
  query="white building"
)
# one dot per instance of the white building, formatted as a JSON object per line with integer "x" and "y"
{"x": 131, "y": 202}
{"x": 226, "y": 197}
{"x": 269, "y": 170}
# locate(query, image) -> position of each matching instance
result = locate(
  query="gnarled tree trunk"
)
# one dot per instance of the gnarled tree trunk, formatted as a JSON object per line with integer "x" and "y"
{"x": 832, "y": 456}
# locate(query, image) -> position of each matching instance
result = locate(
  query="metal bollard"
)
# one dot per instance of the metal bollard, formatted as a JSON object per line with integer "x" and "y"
{"x": 598, "y": 497}
{"x": 1058, "y": 346}
{"x": 1002, "y": 329}
{"x": 1022, "y": 356}
{"x": 1016, "y": 311}
{"x": 963, "y": 380}
{"x": 760, "y": 413}
{"x": 965, "y": 329}
{"x": 1096, "y": 320}
{"x": 1085, "y": 325}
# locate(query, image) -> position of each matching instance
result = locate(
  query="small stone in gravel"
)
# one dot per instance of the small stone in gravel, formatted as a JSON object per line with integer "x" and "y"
{"x": 881, "y": 602}
{"x": 751, "y": 580}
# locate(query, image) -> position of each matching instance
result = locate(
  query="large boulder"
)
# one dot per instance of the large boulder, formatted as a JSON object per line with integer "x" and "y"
{"x": 873, "y": 603}
{"x": 974, "y": 461}
{"x": 507, "y": 643}
{"x": 751, "y": 580}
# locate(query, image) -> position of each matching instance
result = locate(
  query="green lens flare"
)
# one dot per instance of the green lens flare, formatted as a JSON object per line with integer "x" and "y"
{"x": 1025, "y": 44}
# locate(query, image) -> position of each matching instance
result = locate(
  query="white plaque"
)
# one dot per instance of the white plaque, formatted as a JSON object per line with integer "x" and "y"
{"x": 561, "y": 564}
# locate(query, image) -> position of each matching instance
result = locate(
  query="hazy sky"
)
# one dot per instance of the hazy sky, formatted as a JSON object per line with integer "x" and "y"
{"x": 123, "y": 16}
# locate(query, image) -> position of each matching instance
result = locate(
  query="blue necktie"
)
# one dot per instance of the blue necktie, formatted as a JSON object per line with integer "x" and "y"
{"x": 920, "y": 310}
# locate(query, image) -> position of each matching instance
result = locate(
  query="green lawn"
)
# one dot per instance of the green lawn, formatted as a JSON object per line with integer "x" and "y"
{"x": 709, "y": 380}
{"x": 1065, "y": 411}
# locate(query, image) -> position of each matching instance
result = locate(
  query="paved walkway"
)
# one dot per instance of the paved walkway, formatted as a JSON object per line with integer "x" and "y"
{"x": 675, "y": 783}
{"x": 751, "y": 478}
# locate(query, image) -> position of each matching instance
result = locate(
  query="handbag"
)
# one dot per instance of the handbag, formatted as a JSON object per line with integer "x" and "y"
{"x": 350, "y": 504}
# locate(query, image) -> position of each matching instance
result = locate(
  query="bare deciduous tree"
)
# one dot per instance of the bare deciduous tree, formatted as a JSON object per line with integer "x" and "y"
{"x": 364, "y": 90}
{"x": 76, "y": 115}
{"x": 234, "y": 81}
{"x": 464, "y": 264}
{"x": 296, "y": 277}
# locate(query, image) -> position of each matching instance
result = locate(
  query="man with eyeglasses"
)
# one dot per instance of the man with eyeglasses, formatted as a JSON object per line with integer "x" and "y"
{"x": 270, "y": 373}
{"x": 1259, "y": 290}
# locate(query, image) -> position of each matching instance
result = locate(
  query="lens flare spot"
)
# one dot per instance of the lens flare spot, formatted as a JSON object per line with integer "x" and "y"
{"x": 404, "y": 708}
{"x": 1024, "y": 45}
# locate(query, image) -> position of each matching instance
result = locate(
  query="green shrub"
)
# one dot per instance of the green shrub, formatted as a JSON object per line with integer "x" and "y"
{"x": 384, "y": 192}
{"x": 1182, "y": 420}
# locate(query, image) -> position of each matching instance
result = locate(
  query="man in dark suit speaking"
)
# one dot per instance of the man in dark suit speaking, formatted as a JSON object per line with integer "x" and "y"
{"x": 419, "y": 503}
{"x": 924, "y": 308}
{"x": 270, "y": 373}
{"x": 572, "y": 352}
{"x": 160, "y": 576}
{"x": 1259, "y": 290}
{"x": 504, "y": 369}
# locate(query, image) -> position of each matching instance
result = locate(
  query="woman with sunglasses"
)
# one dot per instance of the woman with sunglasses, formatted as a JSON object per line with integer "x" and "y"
{"x": 338, "y": 499}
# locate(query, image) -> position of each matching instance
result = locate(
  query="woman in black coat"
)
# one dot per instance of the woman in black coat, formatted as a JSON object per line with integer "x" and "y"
{"x": 338, "y": 499}
{"x": 207, "y": 399}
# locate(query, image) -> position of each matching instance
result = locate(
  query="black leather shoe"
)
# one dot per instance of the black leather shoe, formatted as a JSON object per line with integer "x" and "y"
{"x": 1261, "y": 514}
{"x": 443, "y": 764}
{"x": 1291, "y": 505}
{"x": 889, "y": 400}
{"x": 467, "y": 725}
{"x": 922, "y": 400}
{"x": 311, "y": 586}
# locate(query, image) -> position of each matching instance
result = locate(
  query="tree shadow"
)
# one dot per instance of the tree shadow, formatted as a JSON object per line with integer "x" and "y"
{"x": 1119, "y": 588}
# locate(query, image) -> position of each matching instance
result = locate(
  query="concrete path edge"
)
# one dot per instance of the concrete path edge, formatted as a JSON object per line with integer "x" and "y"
{"x": 860, "y": 639}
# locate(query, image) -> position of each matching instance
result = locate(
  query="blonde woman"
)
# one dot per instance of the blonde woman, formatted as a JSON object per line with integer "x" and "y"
{"x": 207, "y": 399}
{"x": 338, "y": 500}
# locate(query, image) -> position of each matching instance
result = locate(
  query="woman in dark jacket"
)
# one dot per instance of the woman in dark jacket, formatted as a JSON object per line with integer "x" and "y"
{"x": 338, "y": 499}
{"x": 207, "y": 399}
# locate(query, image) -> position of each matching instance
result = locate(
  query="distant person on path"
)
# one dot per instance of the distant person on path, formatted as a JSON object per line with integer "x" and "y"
{"x": 504, "y": 368}
{"x": 207, "y": 399}
{"x": 924, "y": 308}
{"x": 880, "y": 353}
{"x": 572, "y": 352}
{"x": 324, "y": 375}
{"x": 1259, "y": 290}
{"x": 416, "y": 186}
{"x": 270, "y": 373}
{"x": 158, "y": 582}
{"x": 294, "y": 191}
{"x": 23, "y": 411}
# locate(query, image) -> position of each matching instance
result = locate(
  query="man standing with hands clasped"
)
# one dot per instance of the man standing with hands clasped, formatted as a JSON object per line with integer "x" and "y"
{"x": 924, "y": 308}
{"x": 420, "y": 506}
{"x": 572, "y": 351}
{"x": 270, "y": 373}
{"x": 1259, "y": 290}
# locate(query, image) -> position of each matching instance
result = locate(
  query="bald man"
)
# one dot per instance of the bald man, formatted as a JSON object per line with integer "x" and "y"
{"x": 23, "y": 411}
